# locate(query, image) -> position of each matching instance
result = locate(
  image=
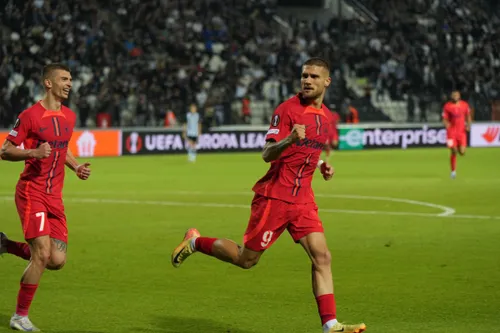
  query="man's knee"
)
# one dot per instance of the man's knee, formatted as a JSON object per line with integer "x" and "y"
{"x": 41, "y": 257}
{"x": 57, "y": 255}
{"x": 248, "y": 258}
{"x": 321, "y": 259}
{"x": 40, "y": 251}
{"x": 55, "y": 265}
{"x": 248, "y": 263}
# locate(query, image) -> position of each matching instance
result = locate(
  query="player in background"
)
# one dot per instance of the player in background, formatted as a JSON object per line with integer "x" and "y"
{"x": 333, "y": 141}
{"x": 191, "y": 131}
{"x": 284, "y": 198}
{"x": 456, "y": 114}
{"x": 45, "y": 129}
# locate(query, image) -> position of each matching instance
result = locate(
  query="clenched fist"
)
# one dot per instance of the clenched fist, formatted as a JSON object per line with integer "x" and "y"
{"x": 327, "y": 171}
{"x": 298, "y": 132}
{"x": 43, "y": 151}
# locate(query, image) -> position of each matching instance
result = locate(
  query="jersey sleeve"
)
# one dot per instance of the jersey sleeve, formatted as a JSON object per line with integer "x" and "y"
{"x": 21, "y": 129}
{"x": 281, "y": 124}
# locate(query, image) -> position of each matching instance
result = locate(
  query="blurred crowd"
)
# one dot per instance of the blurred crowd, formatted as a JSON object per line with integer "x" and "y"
{"x": 425, "y": 48}
{"x": 141, "y": 63}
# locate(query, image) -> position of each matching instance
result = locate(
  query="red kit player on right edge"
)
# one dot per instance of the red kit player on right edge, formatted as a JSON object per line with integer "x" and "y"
{"x": 284, "y": 199}
{"x": 455, "y": 114}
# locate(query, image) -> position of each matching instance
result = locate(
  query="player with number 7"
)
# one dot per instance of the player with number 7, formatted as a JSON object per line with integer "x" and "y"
{"x": 45, "y": 129}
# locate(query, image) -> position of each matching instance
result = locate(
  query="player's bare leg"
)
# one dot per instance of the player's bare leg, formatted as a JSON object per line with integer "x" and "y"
{"x": 47, "y": 253}
{"x": 57, "y": 255}
{"x": 316, "y": 247}
{"x": 223, "y": 249}
{"x": 453, "y": 162}
{"x": 461, "y": 150}
{"x": 40, "y": 249}
{"x": 454, "y": 152}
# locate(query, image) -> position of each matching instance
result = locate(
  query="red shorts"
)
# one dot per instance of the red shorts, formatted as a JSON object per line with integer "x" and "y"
{"x": 40, "y": 214}
{"x": 270, "y": 217}
{"x": 456, "y": 140}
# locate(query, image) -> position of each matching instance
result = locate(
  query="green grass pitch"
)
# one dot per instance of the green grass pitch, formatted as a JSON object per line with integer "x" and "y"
{"x": 413, "y": 251}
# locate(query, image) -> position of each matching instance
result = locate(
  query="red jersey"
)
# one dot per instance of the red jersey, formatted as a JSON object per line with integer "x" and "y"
{"x": 289, "y": 178}
{"x": 456, "y": 114}
{"x": 35, "y": 126}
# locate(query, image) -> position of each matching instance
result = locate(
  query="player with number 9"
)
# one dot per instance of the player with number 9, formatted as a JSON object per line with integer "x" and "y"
{"x": 284, "y": 199}
{"x": 45, "y": 129}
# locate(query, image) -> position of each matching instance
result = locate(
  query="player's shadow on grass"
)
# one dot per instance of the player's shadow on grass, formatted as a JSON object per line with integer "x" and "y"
{"x": 173, "y": 324}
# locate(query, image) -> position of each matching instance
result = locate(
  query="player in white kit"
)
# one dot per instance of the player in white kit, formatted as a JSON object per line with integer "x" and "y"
{"x": 192, "y": 131}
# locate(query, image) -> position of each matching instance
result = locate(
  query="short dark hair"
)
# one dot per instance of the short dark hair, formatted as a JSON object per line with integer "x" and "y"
{"x": 320, "y": 62}
{"x": 48, "y": 69}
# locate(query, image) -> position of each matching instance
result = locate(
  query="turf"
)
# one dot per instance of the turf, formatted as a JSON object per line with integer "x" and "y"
{"x": 397, "y": 266}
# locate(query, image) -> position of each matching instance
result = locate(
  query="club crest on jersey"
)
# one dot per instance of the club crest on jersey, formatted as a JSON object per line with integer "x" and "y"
{"x": 276, "y": 120}
{"x": 18, "y": 122}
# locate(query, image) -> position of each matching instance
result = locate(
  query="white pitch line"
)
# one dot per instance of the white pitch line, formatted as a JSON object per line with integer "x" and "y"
{"x": 224, "y": 205}
{"x": 446, "y": 211}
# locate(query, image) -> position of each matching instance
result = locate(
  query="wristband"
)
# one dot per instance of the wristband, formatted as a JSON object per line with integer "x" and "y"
{"x": 320, "y": 162}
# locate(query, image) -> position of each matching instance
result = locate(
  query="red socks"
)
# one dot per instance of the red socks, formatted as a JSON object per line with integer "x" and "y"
{"x": 21, "y": 250}
{"x": 24, "y": 298}
{"x": 204, "y": 244}
{"x": 453, "y": 160}
{"x": 326, "y": 308}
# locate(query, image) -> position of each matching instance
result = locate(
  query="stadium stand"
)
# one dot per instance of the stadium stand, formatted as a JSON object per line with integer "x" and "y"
{"x": 142, "y": 62}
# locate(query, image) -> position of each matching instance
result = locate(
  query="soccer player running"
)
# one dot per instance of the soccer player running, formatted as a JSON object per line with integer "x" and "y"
{"x": 455, "y": 114}
{"x": 191, "y": 131}
{"x": 284, "y": 199}
{"x": 45, "y": 129}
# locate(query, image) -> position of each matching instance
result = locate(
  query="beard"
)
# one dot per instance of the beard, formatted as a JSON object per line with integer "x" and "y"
{"x": 310, "y": 95}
